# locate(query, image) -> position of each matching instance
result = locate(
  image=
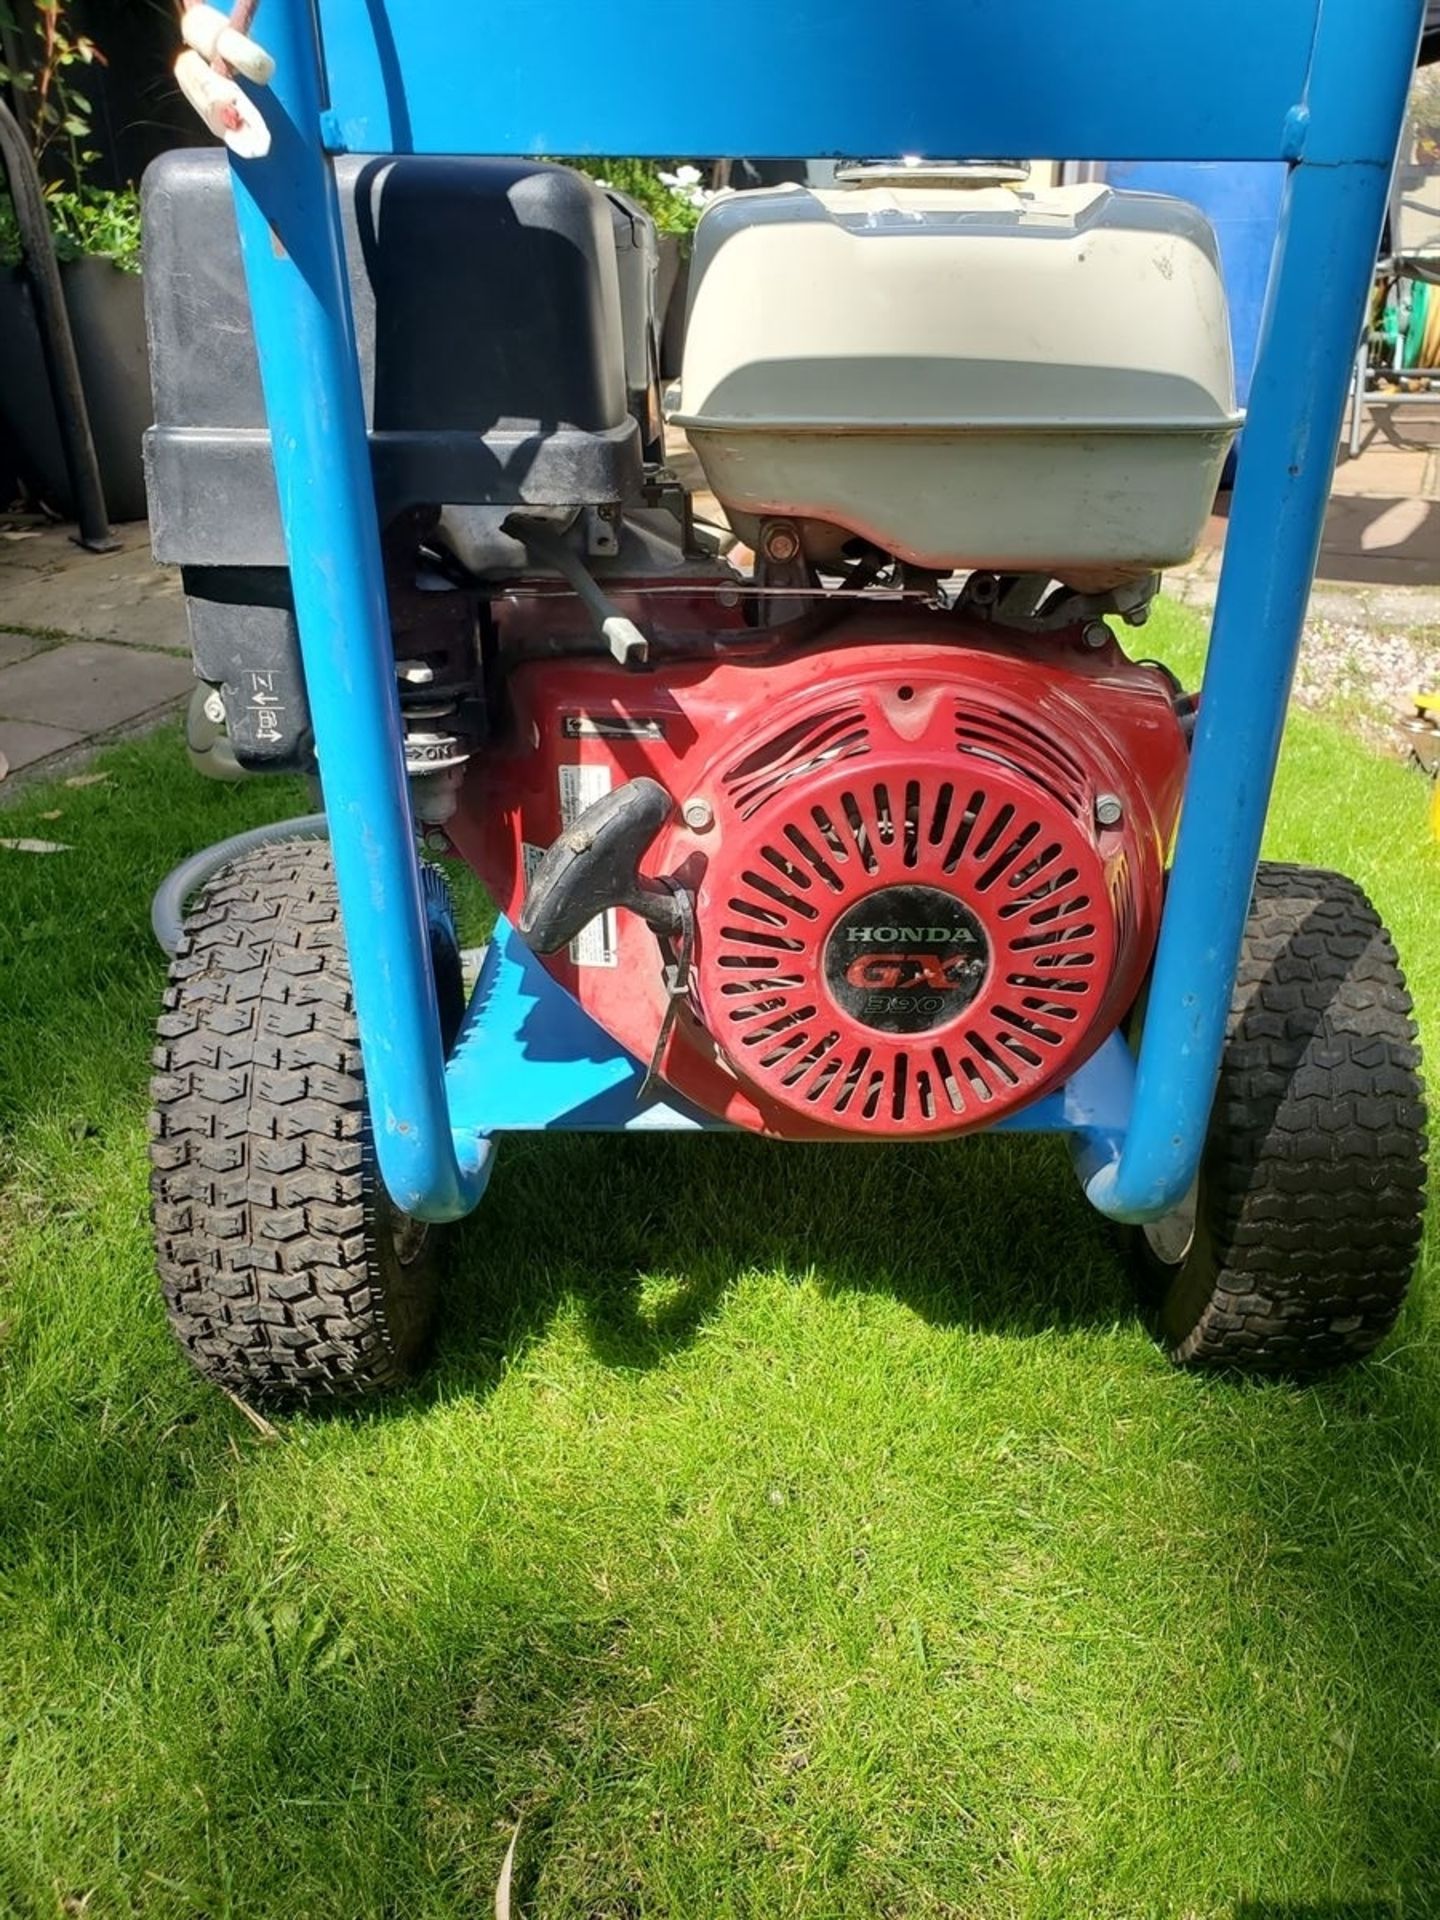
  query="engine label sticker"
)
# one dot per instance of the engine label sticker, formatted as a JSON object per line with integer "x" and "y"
{"x": 266, "y": 709}
{"x": 609, "y": 726}
{"x": 598, "y": 944}
{"x": 906, "y": 959}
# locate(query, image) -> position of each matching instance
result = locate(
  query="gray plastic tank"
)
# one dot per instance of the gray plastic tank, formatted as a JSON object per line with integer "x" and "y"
{"x": 962, "y": 371}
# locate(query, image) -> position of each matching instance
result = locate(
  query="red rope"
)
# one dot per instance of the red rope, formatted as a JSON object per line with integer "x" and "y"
{"x": 242, "y": 13}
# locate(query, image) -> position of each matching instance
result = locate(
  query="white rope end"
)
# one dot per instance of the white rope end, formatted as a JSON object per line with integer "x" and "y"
{"x": 229, "y": 114}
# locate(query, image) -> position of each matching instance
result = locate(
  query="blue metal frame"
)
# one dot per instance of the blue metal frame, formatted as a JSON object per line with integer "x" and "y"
{"x": 1320, "y": 84}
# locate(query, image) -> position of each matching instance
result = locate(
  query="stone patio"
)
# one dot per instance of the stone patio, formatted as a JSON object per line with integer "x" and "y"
{"x": 1380, "y": 557}
{"x": 92, "y": 646}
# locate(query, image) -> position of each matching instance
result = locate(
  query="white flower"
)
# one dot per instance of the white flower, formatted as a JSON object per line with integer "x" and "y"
{"x": 687, "y": 184}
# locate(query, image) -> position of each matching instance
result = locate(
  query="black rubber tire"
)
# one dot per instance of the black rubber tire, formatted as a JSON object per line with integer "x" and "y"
{"x": 1309, "y": 1205}
{"x": 288, "y": 1273}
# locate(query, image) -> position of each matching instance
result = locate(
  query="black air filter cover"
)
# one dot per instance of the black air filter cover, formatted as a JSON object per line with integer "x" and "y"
{"x": 487, "y": 311}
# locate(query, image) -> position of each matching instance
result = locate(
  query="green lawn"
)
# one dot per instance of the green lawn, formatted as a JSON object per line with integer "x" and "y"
{"x": 781, "y": 1531}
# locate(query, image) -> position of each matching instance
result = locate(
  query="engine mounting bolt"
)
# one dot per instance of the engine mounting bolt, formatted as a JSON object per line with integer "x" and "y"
{"x": 698, "y": 815}
{"x": 781, "y": 542}
{"x": 1109, "y": 810}
{"x": 1096, "y": 634}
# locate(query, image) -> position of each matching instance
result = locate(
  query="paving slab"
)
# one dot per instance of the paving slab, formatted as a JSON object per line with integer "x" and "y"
{"x": 1387, "y": 424}
{"x": 47, "y": 582}
{"x": 22, "y": 743}
{"x": 1197, "y": 590}
{"x": 1399, "y": 472}
{"x": 89, "y": 687}
{"x": 15, "y": 647}
{"x": 1371, "y": 540}
{"x": 1383, "y": 526}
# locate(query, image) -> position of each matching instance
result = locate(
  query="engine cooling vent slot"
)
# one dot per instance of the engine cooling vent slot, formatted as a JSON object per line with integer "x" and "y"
{"x": 907, "y": 954}
{"x": 798, "y": 751}
{"x": 991, "y": 734}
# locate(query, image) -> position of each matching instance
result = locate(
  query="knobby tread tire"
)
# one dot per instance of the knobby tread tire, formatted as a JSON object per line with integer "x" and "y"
{"x": 275, "y": 1239}
{"x": 1312, "y": 1184}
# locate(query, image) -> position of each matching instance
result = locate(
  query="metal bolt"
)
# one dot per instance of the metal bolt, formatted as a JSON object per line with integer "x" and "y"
{"x": 1096, "y": 634}
{"x": 781, "y": 542}
{"x": 698, "y": 814}
{"x": 1109, "y": 810}
{"x": 601, "y": 531}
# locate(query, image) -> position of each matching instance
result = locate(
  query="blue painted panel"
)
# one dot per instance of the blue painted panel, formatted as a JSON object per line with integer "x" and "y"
{"x": 1127, "y": 78}
{"x": 530, "y": 1059}
{"x": 1094, "y": 1103}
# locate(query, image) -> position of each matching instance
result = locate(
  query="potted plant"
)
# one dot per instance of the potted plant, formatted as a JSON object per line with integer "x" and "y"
{"x": 97, "y": 238}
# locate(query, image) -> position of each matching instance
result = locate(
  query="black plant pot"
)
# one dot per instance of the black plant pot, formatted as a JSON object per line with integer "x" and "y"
{"x": 107, "y": 319}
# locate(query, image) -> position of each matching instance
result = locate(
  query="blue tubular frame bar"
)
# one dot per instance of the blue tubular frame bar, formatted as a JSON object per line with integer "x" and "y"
{"x": 289, "y": 221}
{"x": 1322, "y": 86}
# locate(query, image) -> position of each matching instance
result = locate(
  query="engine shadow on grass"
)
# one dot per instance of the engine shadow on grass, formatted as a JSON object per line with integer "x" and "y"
{"x": 648, "y": 1236}
{"x": 1324, "y": 1512}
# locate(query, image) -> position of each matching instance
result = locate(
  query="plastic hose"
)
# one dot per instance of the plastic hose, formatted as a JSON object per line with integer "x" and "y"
{"x": 167, "y": 909}
{"x": 1415, "y": 333}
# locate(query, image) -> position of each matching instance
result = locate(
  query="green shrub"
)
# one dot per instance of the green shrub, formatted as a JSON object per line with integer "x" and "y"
{"x": 92, "y": 220}
{"x": 47, "y": 81}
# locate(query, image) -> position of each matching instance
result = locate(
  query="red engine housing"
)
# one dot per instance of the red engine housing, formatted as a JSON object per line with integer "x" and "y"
{"x": 927, "y": 862}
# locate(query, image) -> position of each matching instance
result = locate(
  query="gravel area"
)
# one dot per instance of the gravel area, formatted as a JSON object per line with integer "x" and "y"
{"x": 1366, "y": 651}
{"x": 1366, "y": 675}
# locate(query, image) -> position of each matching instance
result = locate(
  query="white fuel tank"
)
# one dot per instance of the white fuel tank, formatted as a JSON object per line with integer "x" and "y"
{"x": 966, "y": 374}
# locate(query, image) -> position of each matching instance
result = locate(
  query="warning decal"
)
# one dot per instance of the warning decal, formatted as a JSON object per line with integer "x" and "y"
{"x": 580, "y": 787}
